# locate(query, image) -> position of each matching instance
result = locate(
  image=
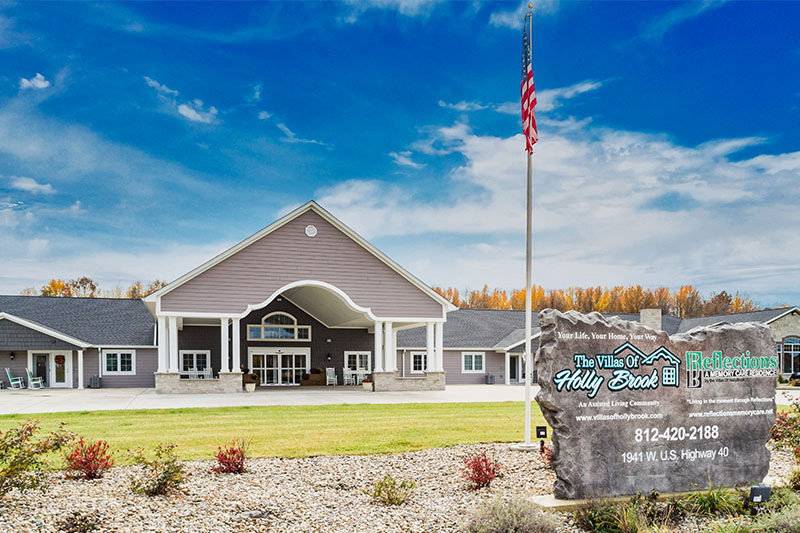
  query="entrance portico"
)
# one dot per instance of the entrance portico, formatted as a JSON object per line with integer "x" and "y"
{"x": 334, "y": 302}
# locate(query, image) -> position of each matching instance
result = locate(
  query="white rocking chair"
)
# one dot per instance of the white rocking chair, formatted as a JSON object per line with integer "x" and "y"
{"x": 330, "y": 377}
{"x": 15, "y": 383}
{"x": 34, "y": 382}
{"x": 349, "y": 377}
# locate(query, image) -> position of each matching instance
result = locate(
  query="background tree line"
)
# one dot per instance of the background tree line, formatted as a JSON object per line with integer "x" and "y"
{"x": 86, "y": 287}
{"x": 686, "y": 302}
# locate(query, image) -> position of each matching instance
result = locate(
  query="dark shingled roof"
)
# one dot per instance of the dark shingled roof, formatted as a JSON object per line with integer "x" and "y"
{"x": 505, "y": 329}
{"x": 97, "y": 321}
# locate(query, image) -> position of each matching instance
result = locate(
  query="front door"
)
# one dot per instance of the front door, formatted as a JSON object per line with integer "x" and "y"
{"x": 280, "y": 366}
{"x": 513, "y": 368}
{"x": 41, "y": 367}
{"x": 60, "y": 369}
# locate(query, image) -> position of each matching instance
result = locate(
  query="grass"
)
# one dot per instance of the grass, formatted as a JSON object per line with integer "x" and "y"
{"x": 298, "y": 431}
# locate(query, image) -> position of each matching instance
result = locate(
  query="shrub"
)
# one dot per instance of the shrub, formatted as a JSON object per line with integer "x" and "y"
{"x": 22, "y": 455}
{"x": 516, "y": 515}
{"x": 77, "y": 522}
{"x": 715, "y": 501}
{"x": 161, "y": 475}
{"x": 794, "y": 479}
{"x": 797, "y": 454}
{"x": 785, "y": 521}
{"x": 231, "y": 459}
{"x": 89, "y": 461}
{"x": 480, "y": 470}
{"x": 639, "y": 514}
{"x": 547, "y": 455}
{"x": 389, "y": 491}
{"x": 786, "y": 431}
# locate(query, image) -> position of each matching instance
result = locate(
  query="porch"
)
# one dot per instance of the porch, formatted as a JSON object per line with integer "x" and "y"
{"x": 308, "y": 327}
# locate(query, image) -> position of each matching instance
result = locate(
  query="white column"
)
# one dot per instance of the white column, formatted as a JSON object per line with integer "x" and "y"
{"x": 508, "y": 369}
{"x": 389, "y": 351}
{"x": 378, "y": 347}
{"x": 223, "y": 340}
{"x": 438, "y": 346}
{"x": 236, "y": 365}
{"x": 80, "y": 369}
{"x": 173, "y": 344}
{"x": 163, "y": 349}
{"x": 429, "y": 357}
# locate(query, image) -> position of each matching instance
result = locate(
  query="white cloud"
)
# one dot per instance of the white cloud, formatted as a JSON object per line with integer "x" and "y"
{"x": 514, "y": 19}
{"x": 36, "y": 82}
{"x": 30, "y": 185}
{"x": 409, "y": 8}
{"x": 195, "y": 112}
{"x": 611, "y": 207}
{"x": 660, "y": 26}
{"x": 404, "y": 159}
{"x": 550, "y": 99}
{"x": 290, "y": 137}
{"x": 264, "y": 115}
{"x": 462, "y": 106}
{"x": 160, "y": 88}
{"x": 256, "y": 96}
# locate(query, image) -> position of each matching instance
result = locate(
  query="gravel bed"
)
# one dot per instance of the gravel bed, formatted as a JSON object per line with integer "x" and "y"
{"x": 319, "y": 494}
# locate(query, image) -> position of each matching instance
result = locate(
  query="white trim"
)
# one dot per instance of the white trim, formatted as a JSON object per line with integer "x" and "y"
{"x": 792, "y": 310}
{"x": 131, "y": 346}
{"x": 473, "y": 354}
{"x": 106, "y": 371}
{"x": 357, "y": 353}
{"x": 295, "y": 326}
{"x": 425, "y": 362}
{"x": 500, "y": 348}
{"x": 278, "y": 350}
{"x": 309, "y": 206}
{"x": 44, "y": 329}
{"x": 194, "y": 358}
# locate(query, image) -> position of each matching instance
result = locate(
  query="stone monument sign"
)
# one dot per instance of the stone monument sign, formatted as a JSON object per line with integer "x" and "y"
{"x": 633, "y": 409}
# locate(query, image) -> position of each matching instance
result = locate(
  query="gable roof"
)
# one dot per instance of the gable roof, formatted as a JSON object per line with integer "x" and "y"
{"x": 504, "y": 329}
{"x": 316, "y": 208}
{"x": 83, "y": 321}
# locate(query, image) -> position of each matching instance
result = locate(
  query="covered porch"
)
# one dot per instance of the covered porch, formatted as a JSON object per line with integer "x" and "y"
{"x": 307, "y": 328}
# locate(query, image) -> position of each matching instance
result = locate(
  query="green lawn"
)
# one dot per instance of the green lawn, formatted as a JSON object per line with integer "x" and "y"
{"x": 299, "y": 431}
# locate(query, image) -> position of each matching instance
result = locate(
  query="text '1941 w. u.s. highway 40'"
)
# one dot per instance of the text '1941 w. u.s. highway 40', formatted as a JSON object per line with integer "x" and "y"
{"x": 633, "y": 409}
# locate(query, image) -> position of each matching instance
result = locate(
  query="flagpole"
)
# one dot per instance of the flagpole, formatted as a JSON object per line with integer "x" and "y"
{"x": 527, "y": 445}
{"x": 529, "y": 273}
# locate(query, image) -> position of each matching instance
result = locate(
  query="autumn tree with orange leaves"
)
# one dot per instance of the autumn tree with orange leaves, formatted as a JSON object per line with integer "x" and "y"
{"x": 685, "y": 302}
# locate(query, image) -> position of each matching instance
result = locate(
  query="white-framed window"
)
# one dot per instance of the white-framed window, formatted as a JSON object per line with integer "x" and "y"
{"x": 472, "y": 362}
{"x": 419, "y": 362}
{"x": 278, "y": 326}
{"x": 119, "y": 362}
{"x": 791, "y": 355}
{"x": 358, "y": 360}
{"x": 197, "y": 359}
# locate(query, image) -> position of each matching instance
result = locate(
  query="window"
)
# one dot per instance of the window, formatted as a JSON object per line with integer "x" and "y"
{"x": 120, "y": 361}
{"x": 472, "y": 362}
{"x": 791, "y": 355}
{"x": 358, "y": 360}
{"x": 195, "y": 359}
{"x": 419, "y": 362}
{"x": 279, "y": 326}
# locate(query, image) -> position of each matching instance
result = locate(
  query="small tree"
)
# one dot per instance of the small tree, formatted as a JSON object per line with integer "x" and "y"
{"x": 22, "y": 455}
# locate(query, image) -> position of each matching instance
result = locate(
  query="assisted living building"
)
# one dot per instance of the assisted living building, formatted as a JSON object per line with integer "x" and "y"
{"x": 304, "y": 293}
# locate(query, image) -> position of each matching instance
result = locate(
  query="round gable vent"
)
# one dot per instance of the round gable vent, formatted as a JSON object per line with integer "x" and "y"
{"x": 311, "y": 230}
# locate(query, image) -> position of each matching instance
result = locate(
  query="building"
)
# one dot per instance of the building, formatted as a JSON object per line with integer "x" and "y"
{"x": 305, "y": 292}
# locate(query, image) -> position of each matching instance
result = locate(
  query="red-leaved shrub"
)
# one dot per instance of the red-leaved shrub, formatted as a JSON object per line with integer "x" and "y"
{"x": 231, "y": 459}
{"x": 547, "y": 455}
{"x": 480, "y": 470}
{"x": 89, "y": 461}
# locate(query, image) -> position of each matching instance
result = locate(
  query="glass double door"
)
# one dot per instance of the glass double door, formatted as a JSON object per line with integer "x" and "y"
{"x": 280, "y": 366}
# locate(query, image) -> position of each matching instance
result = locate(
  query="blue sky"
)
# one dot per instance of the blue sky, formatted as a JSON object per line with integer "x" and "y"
{"x": 138, "y": 140}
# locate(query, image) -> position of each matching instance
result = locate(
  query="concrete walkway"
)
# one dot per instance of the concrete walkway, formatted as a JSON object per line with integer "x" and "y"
{"x": 54, "y": 401}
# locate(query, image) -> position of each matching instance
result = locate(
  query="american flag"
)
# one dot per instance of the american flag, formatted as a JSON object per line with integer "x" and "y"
{"x": 528, "y": 94}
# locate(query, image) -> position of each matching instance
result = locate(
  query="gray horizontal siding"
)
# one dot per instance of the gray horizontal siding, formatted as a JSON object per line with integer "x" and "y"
{"x": 146, "y": 365}
{"x": 494, "y": 364}
{"x": 17, "y": 366}
{"x": 287, "y": 255}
